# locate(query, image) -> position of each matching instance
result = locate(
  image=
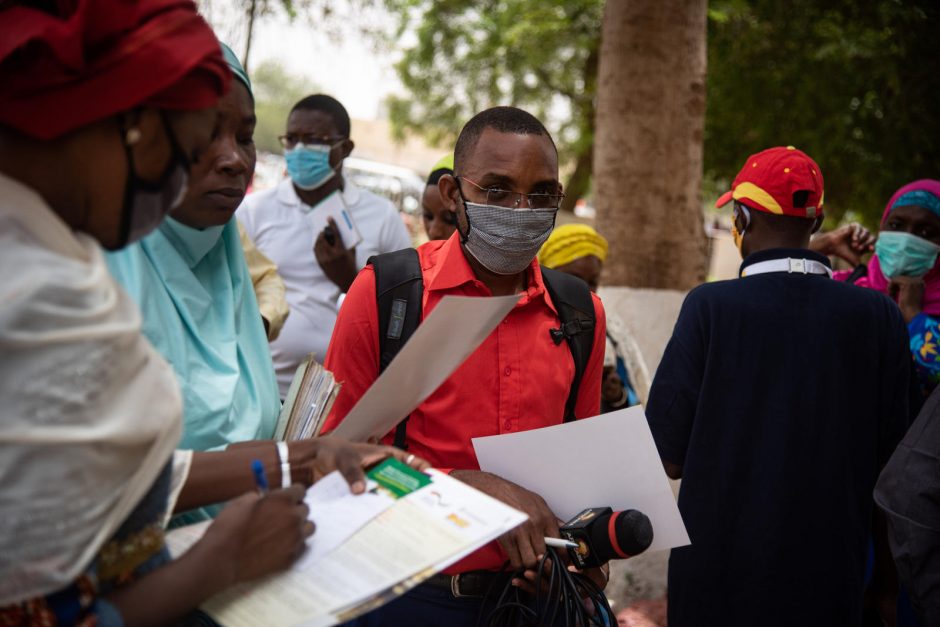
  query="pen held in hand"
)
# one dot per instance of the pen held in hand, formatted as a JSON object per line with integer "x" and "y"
{"x": 260, "y": 479}
{"x": 558, "y": 543}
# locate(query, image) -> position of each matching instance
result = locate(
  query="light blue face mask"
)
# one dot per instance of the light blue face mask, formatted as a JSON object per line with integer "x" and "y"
{"x": 903, "y": 254}
{"x": 309, "y": 166}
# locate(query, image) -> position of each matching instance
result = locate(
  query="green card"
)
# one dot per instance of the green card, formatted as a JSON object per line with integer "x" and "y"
{"x": 398, "y": 478}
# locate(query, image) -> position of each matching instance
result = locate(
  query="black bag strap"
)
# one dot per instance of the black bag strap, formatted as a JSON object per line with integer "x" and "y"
{"x": 860, "y": 271}
{"x": 399, "y": 289}
{"x": 575, "y": 306}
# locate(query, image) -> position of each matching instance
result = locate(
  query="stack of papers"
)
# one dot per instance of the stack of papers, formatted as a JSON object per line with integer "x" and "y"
{"x": 309, "y": 400}
{"x": 367, "y": 549}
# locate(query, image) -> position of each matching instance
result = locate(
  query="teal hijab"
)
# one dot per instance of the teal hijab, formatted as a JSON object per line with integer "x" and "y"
{"x": 199, "y": 310}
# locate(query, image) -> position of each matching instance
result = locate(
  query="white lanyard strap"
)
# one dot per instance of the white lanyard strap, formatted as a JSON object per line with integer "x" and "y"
{"x": 790, "y": 265}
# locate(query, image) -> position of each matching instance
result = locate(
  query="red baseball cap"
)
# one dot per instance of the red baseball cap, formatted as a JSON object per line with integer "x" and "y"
{"x": 781, "y": 180}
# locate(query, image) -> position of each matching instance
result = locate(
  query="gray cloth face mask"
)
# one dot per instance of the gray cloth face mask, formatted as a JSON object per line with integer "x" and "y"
{"x": 503, "y": 240}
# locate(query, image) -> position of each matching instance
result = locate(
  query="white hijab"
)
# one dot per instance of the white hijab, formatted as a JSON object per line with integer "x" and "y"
{"x": 89, "y": 412}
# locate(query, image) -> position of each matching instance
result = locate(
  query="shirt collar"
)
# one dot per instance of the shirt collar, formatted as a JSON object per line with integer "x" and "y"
{"x": 287, "y": 195}
{"x": 453, "y": 270}
{"x": 782, "y": 253}
{"x": 192, "y": 244}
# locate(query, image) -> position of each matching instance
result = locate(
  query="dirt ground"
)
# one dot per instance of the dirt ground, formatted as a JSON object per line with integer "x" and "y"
{"x": 637, "y": 590}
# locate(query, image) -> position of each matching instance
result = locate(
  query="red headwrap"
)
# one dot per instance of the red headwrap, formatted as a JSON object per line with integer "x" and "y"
{"x": 95, "y": 58}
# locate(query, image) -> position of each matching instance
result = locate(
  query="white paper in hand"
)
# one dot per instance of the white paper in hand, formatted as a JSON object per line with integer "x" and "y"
{"x": 337, "y": 514}
{"x": 443, "y": 341}
{"x": 333, "y": 206}
{"x": 605, "y": 461}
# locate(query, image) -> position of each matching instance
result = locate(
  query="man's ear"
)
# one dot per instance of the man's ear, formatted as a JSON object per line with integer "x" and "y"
{"x": 450, "y": 194}
{"x": 340, "y": 152}
{"x": 817, "y": 224}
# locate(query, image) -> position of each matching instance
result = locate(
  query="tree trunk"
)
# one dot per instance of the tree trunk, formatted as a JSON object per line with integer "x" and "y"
{"x": 648, "y": 142}
{"x": 580, "y": 180}
{"x": 252, "y": 11}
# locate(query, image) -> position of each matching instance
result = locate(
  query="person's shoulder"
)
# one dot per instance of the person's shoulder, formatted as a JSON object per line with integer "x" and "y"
{"x": 860, "y": 298}
{"x": 370, "y": 201}
{"x": 359, "y": 307}
{"x": 431, "y": 252}
{"x": 713, "y": 291}
{"x": 599, "y": 312}
{"x": 125, "y": 261}
{"x": 255, "y": 200}
{"x": 47, "y": 290}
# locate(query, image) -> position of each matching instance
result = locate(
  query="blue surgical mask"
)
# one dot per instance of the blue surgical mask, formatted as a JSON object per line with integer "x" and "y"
{"x": 309, "y": 166}
{"x": 903, "y": 254}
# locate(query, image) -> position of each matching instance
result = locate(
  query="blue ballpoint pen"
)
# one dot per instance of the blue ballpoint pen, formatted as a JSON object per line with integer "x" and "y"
{"x": 260, "y": 479}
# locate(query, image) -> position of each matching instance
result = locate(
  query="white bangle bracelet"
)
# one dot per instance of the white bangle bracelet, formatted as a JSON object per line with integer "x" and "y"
{"x": 283, "y": 456}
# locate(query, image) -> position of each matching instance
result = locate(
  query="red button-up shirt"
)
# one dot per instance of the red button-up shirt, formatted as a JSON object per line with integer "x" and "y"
{"x": 518, "y": 379}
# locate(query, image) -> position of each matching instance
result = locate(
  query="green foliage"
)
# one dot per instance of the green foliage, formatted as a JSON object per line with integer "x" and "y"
{"x": 854, "y": 84}
{"x": 276, "y": 91}
{"x": 473, "y": 54}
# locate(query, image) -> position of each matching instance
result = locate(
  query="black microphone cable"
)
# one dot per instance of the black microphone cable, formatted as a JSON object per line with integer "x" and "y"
{"x": 570, "y": 598}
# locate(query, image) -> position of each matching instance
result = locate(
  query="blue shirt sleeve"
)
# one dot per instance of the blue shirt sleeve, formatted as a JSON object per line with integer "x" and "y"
{"x": 924, "y": 332}
{"x": 675, "y": 391}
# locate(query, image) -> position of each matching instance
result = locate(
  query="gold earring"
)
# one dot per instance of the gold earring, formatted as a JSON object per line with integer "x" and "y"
{"x": 132, "y": 136}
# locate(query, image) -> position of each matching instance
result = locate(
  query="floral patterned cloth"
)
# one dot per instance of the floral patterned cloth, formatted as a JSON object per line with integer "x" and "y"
{"x": 925, "y": 348}
{"x": 137, "y": 548}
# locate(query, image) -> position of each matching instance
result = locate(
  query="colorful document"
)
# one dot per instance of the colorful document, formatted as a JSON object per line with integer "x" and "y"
{"x": 437, "y": 522}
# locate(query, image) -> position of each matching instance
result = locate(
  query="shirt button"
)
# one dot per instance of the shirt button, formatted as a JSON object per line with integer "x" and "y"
{"x": 507, "y": 425}
{"x": 508, "y": 371}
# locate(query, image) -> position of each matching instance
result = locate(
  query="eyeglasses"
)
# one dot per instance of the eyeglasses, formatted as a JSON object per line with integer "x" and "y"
{"x": 513, "y": 200}
{"x": 309, "y": 139}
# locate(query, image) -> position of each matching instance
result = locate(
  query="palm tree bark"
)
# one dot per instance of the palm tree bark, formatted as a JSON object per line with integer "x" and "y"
{"x": 648, "y": 142}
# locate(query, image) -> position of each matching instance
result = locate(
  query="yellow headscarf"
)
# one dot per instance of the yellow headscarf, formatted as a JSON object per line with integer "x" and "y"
{"x": 572, "y": 241}
{"x": 446, "y": 163}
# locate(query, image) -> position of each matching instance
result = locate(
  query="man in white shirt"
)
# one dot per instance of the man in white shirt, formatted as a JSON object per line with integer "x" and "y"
{"x": 287, "y": 223}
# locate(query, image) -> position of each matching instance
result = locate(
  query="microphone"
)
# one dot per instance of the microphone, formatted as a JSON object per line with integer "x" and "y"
{"x": 603, "y": 534}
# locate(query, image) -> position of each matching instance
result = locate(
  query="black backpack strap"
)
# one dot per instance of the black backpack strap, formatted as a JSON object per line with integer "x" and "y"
{"x": 399, "y": 289}
{"x": 575, "y": 306}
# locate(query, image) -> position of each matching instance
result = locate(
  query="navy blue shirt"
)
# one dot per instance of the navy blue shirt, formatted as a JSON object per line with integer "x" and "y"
{"x": 781, "y": 396}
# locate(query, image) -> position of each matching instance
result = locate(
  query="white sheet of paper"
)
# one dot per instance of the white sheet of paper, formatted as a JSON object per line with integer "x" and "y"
{"x": 609, "y": 460}
{"x": 452, "y": 331}
{"x": 338, "y": 514}
{"x": 399, "y": 547}
{"x": 333, "y": 206}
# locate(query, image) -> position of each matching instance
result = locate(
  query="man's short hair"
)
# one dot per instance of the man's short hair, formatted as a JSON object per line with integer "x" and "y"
{"x": 328, "y": 105}
{"x": 502, "y": 119}
{"x": 779, "y": 223}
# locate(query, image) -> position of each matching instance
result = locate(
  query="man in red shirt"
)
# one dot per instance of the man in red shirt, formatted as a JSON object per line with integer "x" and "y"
{"x": 505, "y": 193}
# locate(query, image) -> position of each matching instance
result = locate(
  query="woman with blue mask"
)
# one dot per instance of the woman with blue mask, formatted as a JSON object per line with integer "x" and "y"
{"x": 905, "y": 267}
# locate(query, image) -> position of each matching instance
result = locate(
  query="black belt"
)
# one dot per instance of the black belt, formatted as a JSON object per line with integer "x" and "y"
{"x": 472, "y": 585}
